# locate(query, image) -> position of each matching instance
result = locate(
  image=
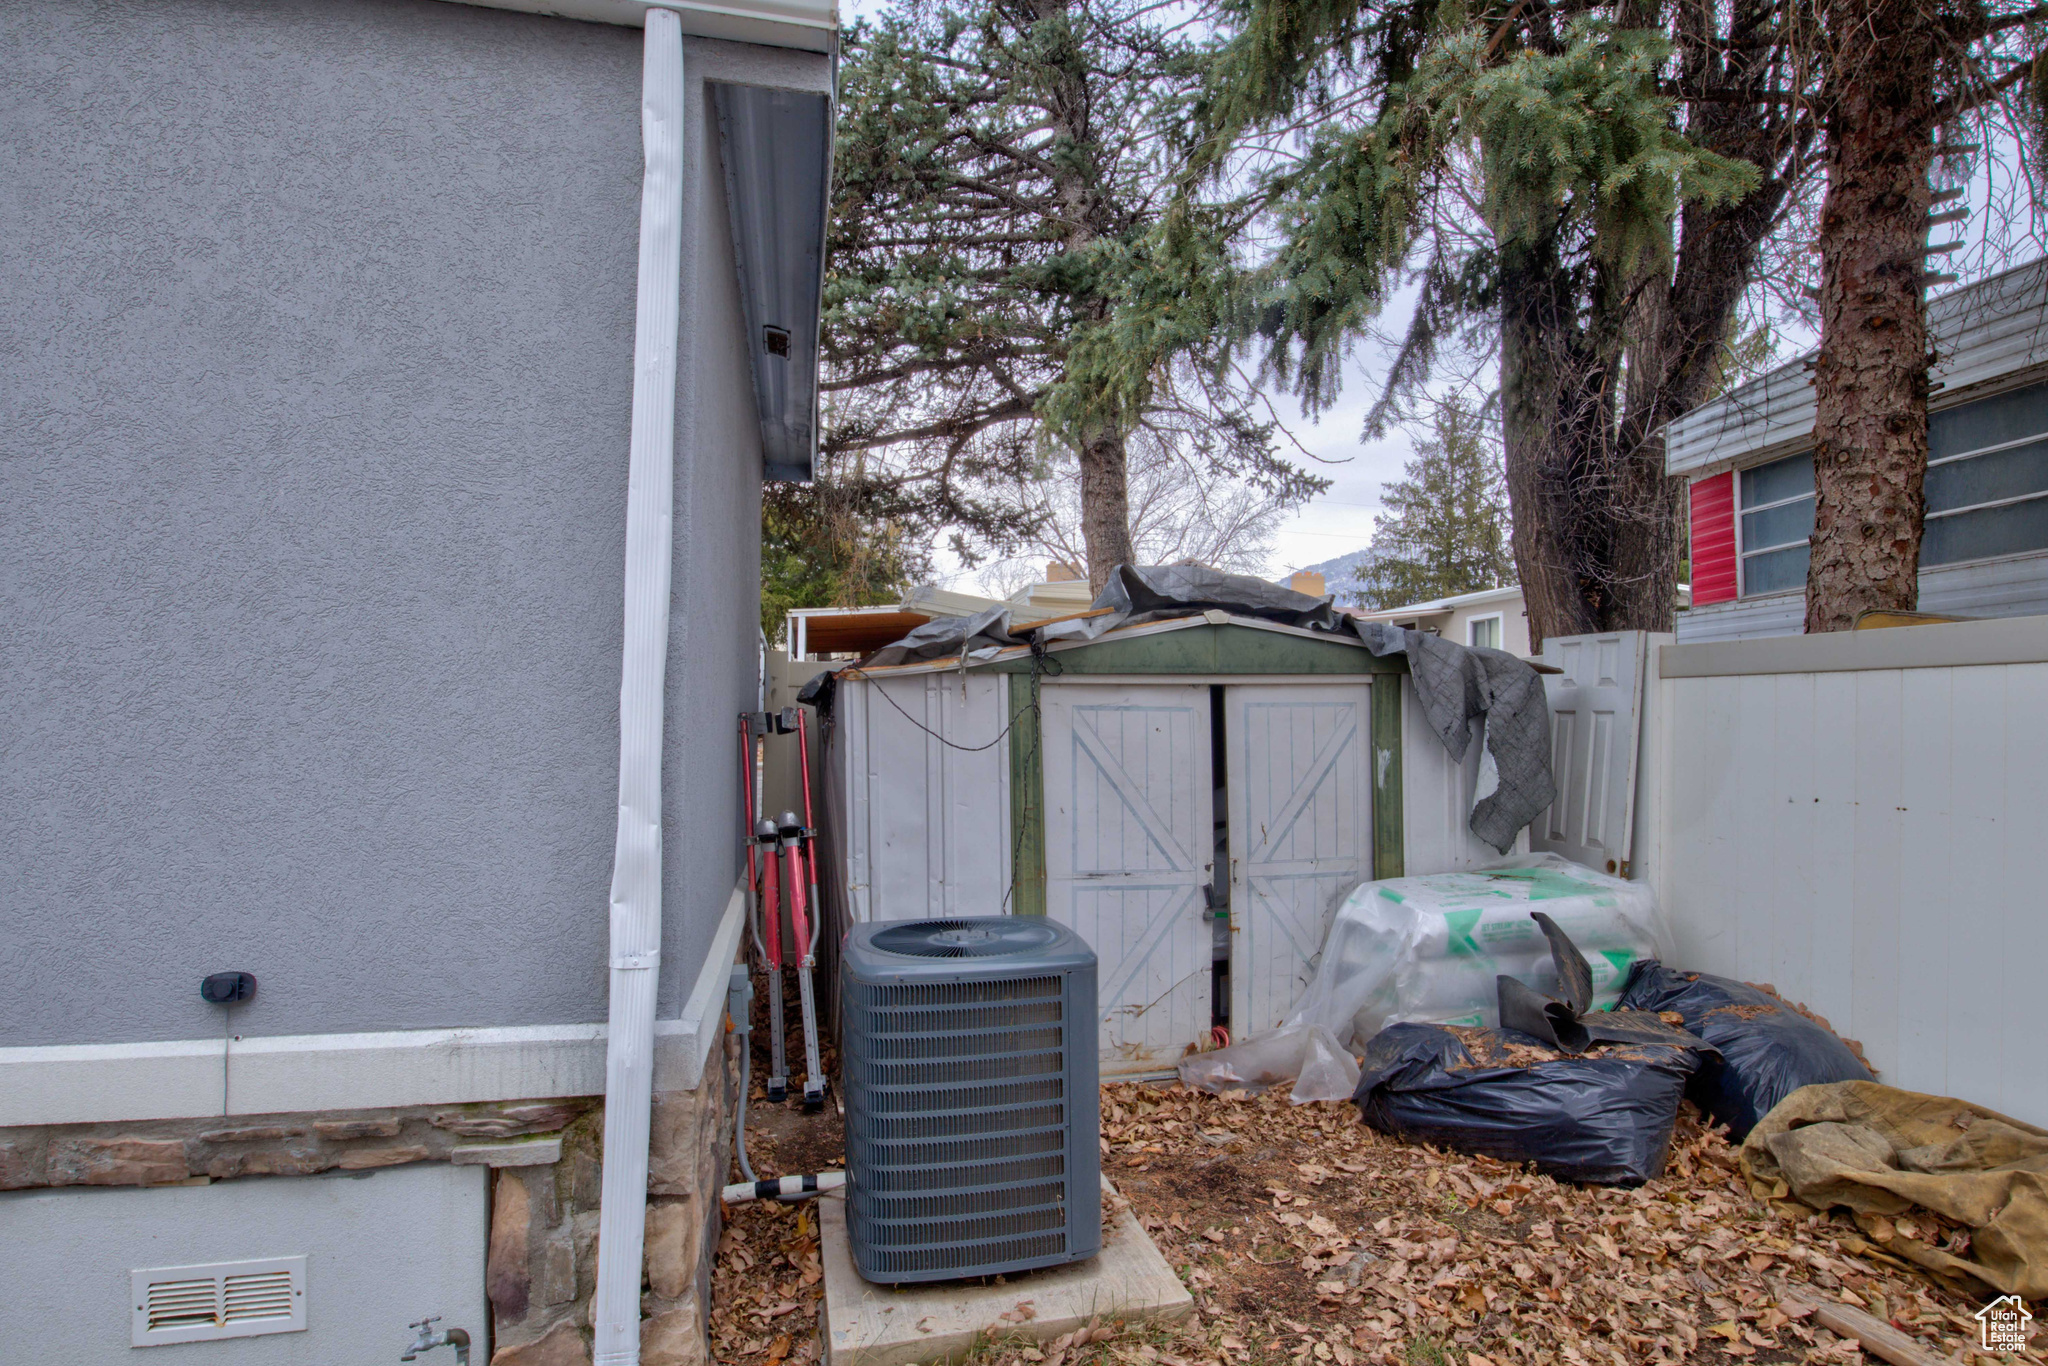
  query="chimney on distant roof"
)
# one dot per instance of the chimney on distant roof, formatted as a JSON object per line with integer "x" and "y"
{"x": 1059, "y": 571}
{"x": 1307, "y": 581}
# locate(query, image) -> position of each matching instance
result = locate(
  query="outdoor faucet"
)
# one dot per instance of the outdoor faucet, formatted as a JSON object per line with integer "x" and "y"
{"x": 425, "y": 1339}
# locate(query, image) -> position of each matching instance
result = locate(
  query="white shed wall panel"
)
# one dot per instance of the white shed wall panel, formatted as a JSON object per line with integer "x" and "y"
{"x": 1869, "y": 843}
{"x": 1128, "y": 847}
{"x": 927, "y": 821}
{"x": 1300, "y": 834}
{"x": 382, "y": 1248}
{"x": 1437, "y": 796}
{"x": 1995, "y": 330}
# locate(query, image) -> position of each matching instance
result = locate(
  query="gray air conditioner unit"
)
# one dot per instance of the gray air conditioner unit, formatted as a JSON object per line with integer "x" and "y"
{"x": 969, "y": 1075}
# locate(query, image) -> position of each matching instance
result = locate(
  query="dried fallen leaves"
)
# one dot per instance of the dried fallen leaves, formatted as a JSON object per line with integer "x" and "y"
{"x": 1308, "y": 1240}
{"x": 1318, "y": 1240}
{"x": 765, "y": 1287}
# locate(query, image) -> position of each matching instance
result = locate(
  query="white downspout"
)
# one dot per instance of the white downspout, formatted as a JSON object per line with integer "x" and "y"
{"x": 636, "y": 863}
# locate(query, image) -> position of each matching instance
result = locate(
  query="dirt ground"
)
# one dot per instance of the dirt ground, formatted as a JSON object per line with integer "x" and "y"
{"x": 1309, "y": 1239}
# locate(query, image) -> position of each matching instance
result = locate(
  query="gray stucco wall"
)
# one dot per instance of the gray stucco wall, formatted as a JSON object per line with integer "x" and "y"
{"x": 316, "y": 322}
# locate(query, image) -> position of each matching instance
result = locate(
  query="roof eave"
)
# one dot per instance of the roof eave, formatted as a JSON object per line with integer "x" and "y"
{"x": 810, "y": 26}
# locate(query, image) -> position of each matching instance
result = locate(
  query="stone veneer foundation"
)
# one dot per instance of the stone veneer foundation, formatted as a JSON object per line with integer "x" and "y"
{"x": 541, "y": 1268}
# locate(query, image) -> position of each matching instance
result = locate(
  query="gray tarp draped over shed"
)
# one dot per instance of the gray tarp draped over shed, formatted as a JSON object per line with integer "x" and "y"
{"x": 1465, "y": 693}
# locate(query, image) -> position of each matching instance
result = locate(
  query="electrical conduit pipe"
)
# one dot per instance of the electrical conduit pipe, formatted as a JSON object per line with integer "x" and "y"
{"x": 636, "y": 864}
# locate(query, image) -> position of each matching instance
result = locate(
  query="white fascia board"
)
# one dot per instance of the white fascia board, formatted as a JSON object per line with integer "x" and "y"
{"x": 808, "y": 26}
{"x": 298, "y": 1073}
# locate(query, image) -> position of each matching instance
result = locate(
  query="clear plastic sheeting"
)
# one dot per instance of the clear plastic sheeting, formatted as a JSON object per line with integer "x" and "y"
{"x": 1306, "y": 1054}
{"x": 1430, "y": 950}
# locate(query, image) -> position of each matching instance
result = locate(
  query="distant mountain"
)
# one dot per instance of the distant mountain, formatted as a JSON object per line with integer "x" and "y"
{"x": 1340, "y": 576}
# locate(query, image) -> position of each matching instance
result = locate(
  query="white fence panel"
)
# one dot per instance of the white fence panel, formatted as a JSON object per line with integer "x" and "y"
{"x": 1865, "y": 836}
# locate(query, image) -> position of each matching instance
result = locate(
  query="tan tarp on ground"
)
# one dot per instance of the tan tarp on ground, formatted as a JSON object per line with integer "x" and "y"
{"x": 1878, "y": 1151}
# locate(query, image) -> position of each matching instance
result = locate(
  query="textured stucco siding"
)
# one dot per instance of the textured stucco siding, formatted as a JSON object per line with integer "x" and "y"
{"x": 316, "y": 321}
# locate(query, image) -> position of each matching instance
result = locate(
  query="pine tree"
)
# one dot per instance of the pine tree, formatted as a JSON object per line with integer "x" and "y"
{"x": 999, "y": 172}
{"x": 1445, "y": 530}
{"x": 1895, "y": 72}
{"x": 1588, "y": 192}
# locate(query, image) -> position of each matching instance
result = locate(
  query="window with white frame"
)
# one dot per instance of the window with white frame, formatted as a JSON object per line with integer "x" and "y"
{"x": 1484, "y": 632}
{"x": 1987, "y": 493}
{"x": 1987, "y": 479}
{"x": 1777, "y": 519}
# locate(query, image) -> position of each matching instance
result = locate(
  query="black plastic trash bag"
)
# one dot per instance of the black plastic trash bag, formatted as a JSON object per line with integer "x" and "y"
{"x": 1572, "y": 1025}
{"x": 1767, "y": 1049}
{"x": 1602, "y": 1118}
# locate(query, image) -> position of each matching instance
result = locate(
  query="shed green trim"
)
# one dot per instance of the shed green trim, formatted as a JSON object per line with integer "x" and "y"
{"x": 1211, "y": 649}
{"x": 1389, "y": 838}
{"x": 1027, "y": 799}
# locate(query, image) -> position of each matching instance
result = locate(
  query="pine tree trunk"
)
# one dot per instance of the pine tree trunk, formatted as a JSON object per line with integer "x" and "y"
{"x": 1870, "y": 383}
{"x": 1078, "y": 186}
{"x": 1543, "y": 429}
{"x": 1105, "y": 506}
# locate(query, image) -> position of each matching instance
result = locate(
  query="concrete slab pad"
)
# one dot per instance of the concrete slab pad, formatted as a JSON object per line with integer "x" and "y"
{"x": 881, "y": 1325}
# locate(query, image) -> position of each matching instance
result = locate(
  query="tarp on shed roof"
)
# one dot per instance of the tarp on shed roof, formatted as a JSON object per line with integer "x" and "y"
{"x": 1466, "y": 694}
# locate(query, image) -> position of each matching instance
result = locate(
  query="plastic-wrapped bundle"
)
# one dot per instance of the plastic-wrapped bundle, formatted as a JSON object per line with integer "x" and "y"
{"x": 1429, "y": 950}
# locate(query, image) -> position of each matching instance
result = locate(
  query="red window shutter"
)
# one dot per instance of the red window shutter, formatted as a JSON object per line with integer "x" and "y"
{"x": 1713, "y": 539}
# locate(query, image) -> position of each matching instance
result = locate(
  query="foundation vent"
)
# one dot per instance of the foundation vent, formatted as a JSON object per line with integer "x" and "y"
{"x": 218, "y": 1300}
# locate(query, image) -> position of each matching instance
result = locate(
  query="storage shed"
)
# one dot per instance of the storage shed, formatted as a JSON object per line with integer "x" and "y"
{"x": 1193, "y": 795}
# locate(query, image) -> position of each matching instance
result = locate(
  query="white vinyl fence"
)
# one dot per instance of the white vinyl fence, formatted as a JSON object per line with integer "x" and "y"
{"x": 1861, "y": 820}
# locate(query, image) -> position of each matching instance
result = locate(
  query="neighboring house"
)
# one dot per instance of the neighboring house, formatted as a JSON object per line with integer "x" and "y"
{"x": 329, "y": 328}
{"x": 1492, "y": 617}
{"x": 1748, "y": 457}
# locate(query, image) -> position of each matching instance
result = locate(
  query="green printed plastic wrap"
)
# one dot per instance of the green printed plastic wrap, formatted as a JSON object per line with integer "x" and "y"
{"x": 1428, "y": 950}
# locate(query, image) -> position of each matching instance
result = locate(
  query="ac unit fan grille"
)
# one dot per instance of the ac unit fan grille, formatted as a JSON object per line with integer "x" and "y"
{"x": 925, "y": 1100}
{"x": 967, "y": 1124}
{"x": 955, "y": 1072}
{"x": 987, "y": 1200}
{"x": 964, "y": 1178}
{"x": 911, "y": 1046}
{"x": 994, "y": 938}
{"x": 931, "y": 1262}
{"x": 893, "y": 1235}
{"x": 1005, "y": 991}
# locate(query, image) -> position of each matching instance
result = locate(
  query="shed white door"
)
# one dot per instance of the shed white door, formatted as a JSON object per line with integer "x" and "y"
{"x": 1594, "y": 706}
{"x": 1127, "y": 853}
{"x": 1297, "y": 768}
